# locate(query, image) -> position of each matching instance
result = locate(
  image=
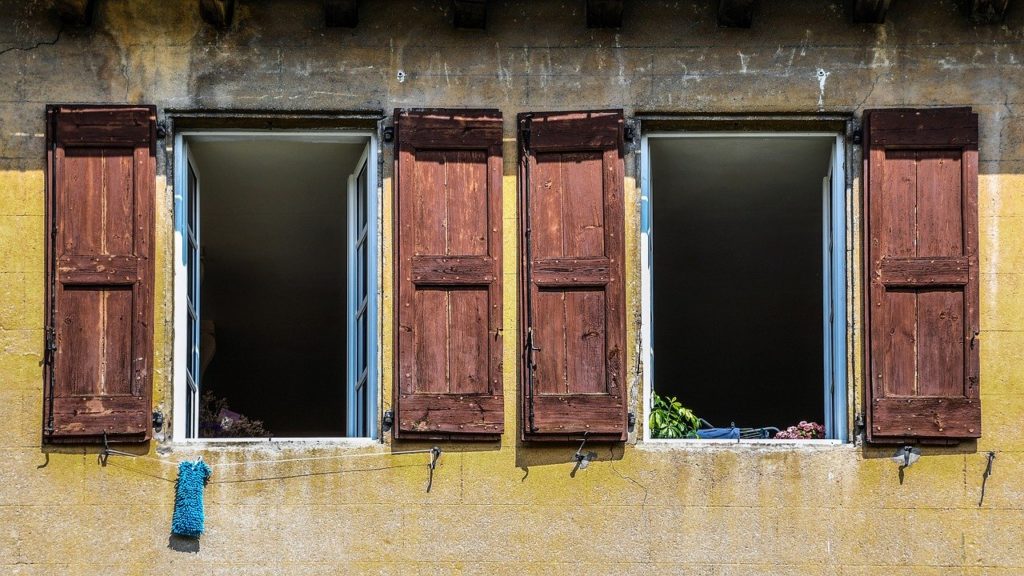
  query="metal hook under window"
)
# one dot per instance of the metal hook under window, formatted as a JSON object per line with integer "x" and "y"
{"x": 984, "y": 477}
{"x": 107, "y": 451}
{"x": 435, "y": 454}
{"x": 583, "y": 460}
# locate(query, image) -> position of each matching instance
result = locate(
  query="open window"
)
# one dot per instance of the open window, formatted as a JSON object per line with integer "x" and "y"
{"x": 744, "y": 282}
{"x": 275, "y": 285}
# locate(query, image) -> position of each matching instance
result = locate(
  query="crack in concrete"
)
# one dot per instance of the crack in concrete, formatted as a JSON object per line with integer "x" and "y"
{"x": 611, "y": 464}
{"x": 127, "y": 81}
{"x": 643, "y": 505}
{"x": 1005, "y": 121}
{"x": 874, "y": 84}
{"x": 36, "y": 45}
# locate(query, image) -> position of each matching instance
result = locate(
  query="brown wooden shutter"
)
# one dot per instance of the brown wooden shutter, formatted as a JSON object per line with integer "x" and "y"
{"x": 922, "y": 266}
{"x": 100, "y": 210}
{"x": 573, "y": 294}
{"x": 448, "y": 284}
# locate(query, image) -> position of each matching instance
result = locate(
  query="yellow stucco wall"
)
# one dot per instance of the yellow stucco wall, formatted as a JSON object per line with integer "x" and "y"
{"x": 506, "y": 507}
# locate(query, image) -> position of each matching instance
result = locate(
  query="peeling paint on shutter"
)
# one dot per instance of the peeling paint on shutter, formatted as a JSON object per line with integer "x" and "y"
{"x": 572, "y": 289}
{"x": 921, "y": 204}
{"x": 100, "y": 210}
{"x": 448, "y": 282}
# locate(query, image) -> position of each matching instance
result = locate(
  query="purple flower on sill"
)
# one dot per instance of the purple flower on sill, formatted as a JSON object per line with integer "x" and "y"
{"x": 802, "y": 431}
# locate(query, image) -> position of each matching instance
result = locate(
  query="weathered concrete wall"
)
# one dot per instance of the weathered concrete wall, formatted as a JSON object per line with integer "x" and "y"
{"x": 504, "y": 507}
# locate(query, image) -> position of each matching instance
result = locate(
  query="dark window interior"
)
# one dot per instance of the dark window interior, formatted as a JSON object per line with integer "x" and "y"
{"x": 273, "y": 239}
{"x": 737, "y": 276}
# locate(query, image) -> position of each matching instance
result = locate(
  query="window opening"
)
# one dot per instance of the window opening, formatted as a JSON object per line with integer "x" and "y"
{"x": 744, "y": 279}
{"x": 277, "y": 285}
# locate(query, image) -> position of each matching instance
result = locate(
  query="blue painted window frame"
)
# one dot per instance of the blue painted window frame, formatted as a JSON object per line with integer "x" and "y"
{"x": 362, "y": 301}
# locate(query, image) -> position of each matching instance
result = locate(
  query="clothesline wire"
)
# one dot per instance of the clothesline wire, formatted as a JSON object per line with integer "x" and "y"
{"x": 279, "y": 461}
{"x": 308, "y": 474}
{"x": 140, "y": 472}
{"x": 262, "y": 478}
{"x": 435, "y": 453}
{"x": 402, "y": 453}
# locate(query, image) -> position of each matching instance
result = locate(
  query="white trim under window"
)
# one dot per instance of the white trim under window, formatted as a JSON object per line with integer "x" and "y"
{"x": 834, "y": 288}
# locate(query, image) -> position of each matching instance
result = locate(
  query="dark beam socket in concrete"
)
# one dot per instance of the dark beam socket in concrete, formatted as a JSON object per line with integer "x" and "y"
{"x": 735, "y": 13}
{"x": 604, "y": 13}
{"x": 341, "y": 13}
{"x": 217, "y": 13}
{"x": 75, "y": 12}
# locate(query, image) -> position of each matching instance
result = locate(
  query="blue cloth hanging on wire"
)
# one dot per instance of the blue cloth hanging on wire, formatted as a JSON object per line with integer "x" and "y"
{"x": 188, "y": 499}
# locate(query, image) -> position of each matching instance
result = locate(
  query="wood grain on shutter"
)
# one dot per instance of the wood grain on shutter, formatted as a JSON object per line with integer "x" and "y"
{"x": 448, "y": 284}
{"x": 922, "y": 263}
{"x": 573, "y": 295}
{"x": 101, "y": 194}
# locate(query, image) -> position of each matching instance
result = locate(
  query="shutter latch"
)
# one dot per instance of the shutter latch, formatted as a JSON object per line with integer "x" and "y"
{"x": 858, "y": 424}
{"x": 48, "y": 359}
{"x": 531, "y": 365}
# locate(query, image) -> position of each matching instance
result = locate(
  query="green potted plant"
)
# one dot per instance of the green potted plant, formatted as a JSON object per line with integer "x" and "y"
{"x": 670, "y": 419}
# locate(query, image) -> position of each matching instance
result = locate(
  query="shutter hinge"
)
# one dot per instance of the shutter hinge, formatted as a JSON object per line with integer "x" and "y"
{"x": 386, "y": 128}
{"x": 51, "y": 344}
{"x": 388, "y": 421}
{"x": 858, "y": 424}
{"x": 631, "y": 135}
{"x": 631, "y": 422}
{"x": 524, "y": 133}
{"x": 858, "y": 136}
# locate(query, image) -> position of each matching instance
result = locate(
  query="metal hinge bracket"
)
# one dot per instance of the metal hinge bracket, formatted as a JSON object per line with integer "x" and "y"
{"x": 524, "y": 132}
{"x": 386, "y": 129}
{"x": 51, "y": 345}
{"x": 631, "y": 135}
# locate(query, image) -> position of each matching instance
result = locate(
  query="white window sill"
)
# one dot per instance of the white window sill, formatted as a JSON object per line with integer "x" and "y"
{"x": 275, "y": 443}
{"x": 758, "y": 444}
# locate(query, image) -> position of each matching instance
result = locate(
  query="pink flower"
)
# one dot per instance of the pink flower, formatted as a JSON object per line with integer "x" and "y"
{"x": 803, "y": 430}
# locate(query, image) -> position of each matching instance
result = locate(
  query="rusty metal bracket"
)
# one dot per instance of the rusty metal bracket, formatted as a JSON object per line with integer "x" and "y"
{"x": 435, "y": 454}
{"x": 984, "y": 477}
{"x": 107, "y": 451}
{"x": 583, "y": 459}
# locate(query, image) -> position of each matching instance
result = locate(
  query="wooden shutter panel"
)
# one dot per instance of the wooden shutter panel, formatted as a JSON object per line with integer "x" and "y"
{"x": 573, "y": 294}
{"x": 100, "y": 209}
{"x": 921, "y": 200}
{"x": 448, "y": 285}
